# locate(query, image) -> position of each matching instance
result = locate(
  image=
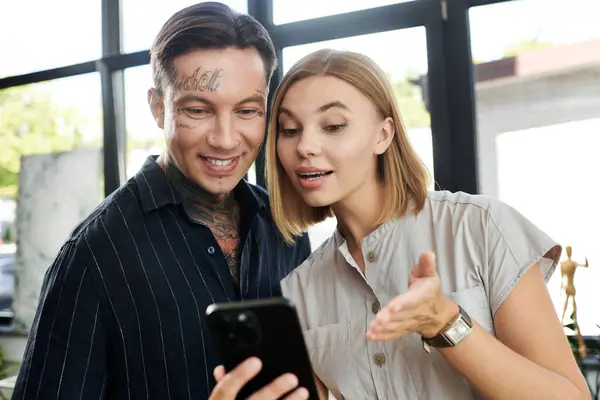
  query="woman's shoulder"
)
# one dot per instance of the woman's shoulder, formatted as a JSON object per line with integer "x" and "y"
{"x": 489, "y": 239}
{"x": 463, "y": 201}
{"x": 461, "y": 207}
{"x": 480, "y": 217}
{"x": 314, "y": 266}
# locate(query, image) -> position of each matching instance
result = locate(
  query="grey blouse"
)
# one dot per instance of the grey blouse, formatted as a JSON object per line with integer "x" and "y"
{"x": 482, "y": 247}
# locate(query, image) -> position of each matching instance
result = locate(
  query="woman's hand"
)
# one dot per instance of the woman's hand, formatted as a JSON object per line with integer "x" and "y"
{"x": 422, "y": 309}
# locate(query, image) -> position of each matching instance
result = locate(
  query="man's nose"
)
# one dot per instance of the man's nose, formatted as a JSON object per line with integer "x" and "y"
{"x": 224, "y": 135}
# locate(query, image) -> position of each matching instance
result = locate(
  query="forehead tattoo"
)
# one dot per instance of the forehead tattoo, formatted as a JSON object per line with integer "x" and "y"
{"x": 201, "y": 80}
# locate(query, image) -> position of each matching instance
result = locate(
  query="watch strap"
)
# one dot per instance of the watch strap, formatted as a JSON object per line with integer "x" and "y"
{"x": 441, "y": 340}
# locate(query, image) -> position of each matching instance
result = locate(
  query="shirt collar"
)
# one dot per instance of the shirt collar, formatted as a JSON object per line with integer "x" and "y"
{"x": 156, "y": 191}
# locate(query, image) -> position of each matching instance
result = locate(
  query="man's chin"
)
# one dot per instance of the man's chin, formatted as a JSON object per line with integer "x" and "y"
{"x": 219, "y": 186}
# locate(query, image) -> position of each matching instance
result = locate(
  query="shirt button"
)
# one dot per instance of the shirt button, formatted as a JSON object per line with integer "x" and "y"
{"x": 211, "y": 250}
{"x": 371, "y": 256}
{"x": 379, "y": 359}
{"x": 375, "y": 307}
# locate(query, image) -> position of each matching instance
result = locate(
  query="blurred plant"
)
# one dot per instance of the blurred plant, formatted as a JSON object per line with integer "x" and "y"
{"x": 526, "y": 45}
{"x": 589, "y": 364}
{"x": 592, "y": 346}
{"x": 31, "y": 122}
{"x": 6, "y": 370}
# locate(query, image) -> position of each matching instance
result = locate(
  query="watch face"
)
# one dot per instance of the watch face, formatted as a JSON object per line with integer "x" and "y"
{"x": 457, "y": 331}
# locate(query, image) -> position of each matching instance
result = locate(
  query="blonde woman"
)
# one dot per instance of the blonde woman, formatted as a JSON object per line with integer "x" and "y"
{"x": 417, "y": 294}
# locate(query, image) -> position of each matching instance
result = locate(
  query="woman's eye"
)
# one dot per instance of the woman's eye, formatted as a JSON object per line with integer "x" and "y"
{"x": 335, "y": 127}
{"x": 289, "y": 132}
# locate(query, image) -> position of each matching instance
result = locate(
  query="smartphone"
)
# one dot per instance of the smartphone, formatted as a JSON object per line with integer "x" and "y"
{"x": 268, "y": 329}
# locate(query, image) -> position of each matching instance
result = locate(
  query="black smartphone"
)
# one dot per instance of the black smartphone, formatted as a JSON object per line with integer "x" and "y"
{"x": 268, "y": 329}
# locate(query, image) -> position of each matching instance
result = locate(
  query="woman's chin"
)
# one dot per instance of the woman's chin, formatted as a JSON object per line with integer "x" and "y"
{"x": 314, "y": 200}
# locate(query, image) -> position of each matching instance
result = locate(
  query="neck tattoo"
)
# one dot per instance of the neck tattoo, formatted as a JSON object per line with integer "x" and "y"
{"x": 220, "y": 213}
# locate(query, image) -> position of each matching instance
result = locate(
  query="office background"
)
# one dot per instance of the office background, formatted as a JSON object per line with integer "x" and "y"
{"x": 499, "y": 97}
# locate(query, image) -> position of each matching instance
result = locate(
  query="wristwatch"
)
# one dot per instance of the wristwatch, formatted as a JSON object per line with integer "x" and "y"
{"x": 452, "y": 334}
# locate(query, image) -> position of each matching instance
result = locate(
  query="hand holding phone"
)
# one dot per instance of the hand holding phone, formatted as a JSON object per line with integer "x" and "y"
{"x": 229, "y": 385}
{"x": 270, "y": 331}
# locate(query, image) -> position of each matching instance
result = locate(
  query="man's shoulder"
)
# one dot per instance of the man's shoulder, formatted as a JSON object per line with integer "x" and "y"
{"x": 82, "y": 248}
{"x": 116, "y": 207}
{"x": 261, "y": 194}
{"x": 298, "y": 250}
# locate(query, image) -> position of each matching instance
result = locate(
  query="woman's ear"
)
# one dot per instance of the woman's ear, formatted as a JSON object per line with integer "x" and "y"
{"x": 385, "y": 135}
{"x": 157, "y": 107}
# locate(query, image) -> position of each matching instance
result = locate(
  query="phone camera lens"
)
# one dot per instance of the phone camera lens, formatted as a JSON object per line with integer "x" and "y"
{"x": 245, "y": 331}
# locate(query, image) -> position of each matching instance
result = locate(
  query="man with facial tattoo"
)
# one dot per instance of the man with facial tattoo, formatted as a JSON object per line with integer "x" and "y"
{"x": 121, "y": 310}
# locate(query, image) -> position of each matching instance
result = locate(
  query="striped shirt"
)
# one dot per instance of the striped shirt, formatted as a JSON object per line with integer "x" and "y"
{"x": 121, "y": 311}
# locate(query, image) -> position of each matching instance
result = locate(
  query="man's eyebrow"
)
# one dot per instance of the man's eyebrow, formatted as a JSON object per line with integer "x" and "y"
{"x": 332, "y": 104}
{"x": 192, "y": 97}
{"x": 256, "y": 98}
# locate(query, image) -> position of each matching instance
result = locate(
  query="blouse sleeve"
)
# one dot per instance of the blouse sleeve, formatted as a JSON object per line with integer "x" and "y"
{"x": 514, "y": 244}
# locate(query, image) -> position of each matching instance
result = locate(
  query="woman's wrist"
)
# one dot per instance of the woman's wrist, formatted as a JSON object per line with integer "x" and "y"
{"x": 448, "y": 312}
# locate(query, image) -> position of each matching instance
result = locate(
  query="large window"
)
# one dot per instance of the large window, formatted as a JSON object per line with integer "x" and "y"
{"x": 39, "y": 35}
{"x": 538, "y": 113}
{"x": 142, "y": 19}
{"x": 404, "y": 72}
{"x": 50, "y": 176}
{"x": 143, "y": 135}
{"x": 285, "y": 11}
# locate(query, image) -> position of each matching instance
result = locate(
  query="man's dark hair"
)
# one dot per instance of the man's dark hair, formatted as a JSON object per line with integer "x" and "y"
{"x": 208, "y": 25}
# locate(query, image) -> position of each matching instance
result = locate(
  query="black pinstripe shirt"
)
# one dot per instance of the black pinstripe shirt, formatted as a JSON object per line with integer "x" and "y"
{"x": 121, "y": 313}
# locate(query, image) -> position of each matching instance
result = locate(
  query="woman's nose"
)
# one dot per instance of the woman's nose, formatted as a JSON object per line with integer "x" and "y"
{"x": 308, "y": 145}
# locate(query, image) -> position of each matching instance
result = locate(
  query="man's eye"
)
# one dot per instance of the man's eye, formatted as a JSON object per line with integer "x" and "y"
{"x": 195, "y": 112}
{"x": 248, "y": 113}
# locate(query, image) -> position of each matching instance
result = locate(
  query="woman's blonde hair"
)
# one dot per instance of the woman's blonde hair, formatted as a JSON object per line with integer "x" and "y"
{"x": 402, "y": 171}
